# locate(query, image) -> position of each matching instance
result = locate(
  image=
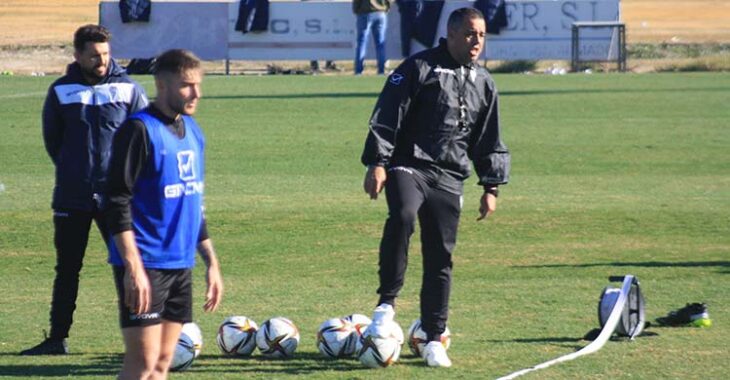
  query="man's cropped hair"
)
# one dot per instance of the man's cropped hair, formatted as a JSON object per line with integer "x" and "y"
{"x": 176, "y": 61}
{"x": 457, "y": 17}
{"x": 90, "y": 33}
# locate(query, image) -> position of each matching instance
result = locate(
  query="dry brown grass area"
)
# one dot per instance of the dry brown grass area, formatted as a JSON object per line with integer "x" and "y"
{"x": 677, "y": 21}
{"x": 44, "y": 22}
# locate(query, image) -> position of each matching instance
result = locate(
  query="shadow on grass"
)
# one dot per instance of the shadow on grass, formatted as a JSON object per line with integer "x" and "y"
{"x": 301, "y": 364}
{"x": 555, "y": 341}
{"x": 562, "y": 339}
{"x": 109, "y": 365}
{"x": 557, "y": 91}
{"x": 106, "y": 366}
{"x": 646, "y": 264}
{"x": 571, "y": 342}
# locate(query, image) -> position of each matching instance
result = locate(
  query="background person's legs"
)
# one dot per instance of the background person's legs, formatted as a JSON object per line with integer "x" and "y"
{"x": 71, "y": 237}
{"x": 363, "y": 34}
{"x": 380, "y": 22}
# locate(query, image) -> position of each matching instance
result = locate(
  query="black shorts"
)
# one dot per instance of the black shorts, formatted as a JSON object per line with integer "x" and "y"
{"x": 171, "y": 298}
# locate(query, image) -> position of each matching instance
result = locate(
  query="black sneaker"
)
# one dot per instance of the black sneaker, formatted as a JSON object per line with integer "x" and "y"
{"x": 49, "y": 346}
{"x": 694, "y": 314}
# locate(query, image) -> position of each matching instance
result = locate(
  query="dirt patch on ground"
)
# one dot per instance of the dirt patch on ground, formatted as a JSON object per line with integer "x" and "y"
{"x": 35, "y": 34}
{"x": 676, "y": 20}
{"x": 44, "y": 22}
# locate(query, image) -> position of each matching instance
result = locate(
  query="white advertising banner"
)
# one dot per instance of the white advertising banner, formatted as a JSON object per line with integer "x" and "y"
{"x": 542, "y": 30}
{"x": 201, "y": 27}
{"x": 304, "y": 30}
{"x": 300, "y": 30}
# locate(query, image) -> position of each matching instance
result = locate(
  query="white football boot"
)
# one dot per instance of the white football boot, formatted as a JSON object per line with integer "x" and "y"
{"x": 382, "y": 319}
{"x": 435, "y": 355}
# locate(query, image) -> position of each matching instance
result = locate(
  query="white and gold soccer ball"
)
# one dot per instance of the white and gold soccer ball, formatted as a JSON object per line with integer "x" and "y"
{"x": 380, "y": 351}
{"x": 192, "y": 330}
{"x": 417, "y": 338}
{"x": 188, "y": 347}
{"x": 359, "y": 322}
{"x": 277, "y": 338}
{"x": 237, "y": 336}
{"x": 336, "y": 338}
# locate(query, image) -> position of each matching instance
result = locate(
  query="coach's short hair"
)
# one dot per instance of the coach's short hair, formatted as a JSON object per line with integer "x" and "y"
{"x": 90, "y": 33}
{"x": 176, "y": 61}
{"x": 457, "y": 17}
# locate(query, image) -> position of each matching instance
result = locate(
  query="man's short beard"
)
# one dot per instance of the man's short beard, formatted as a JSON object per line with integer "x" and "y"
{"x": 180, "y": 110}
{"x": 92, "y": 73}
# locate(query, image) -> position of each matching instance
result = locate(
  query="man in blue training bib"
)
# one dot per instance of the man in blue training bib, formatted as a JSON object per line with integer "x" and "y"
{"x": 155, "y": 215}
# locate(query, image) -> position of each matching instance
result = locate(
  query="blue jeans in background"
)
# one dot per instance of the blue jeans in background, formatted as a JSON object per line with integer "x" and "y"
{"x": 375, "y": 22}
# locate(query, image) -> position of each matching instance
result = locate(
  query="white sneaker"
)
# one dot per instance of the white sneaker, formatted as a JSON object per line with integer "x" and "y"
{"x": 382, "y": 318}
{"x": 435, "y": 355}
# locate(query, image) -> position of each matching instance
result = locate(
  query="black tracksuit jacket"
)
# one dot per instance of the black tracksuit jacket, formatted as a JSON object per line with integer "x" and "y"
{"x": 430, "y": 114}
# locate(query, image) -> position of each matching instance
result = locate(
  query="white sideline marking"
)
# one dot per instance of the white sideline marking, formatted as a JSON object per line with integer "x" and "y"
{"x": 598, "y": 343}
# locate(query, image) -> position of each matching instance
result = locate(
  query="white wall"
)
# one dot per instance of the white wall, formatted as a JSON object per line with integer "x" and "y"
{"x": 303, "y": 30}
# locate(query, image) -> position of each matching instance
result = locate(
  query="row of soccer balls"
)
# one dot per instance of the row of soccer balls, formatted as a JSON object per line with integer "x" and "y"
{"x": 278, "y": 337}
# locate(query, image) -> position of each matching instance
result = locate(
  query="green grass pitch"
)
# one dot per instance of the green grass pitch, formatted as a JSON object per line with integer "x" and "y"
{"x": 612, "y": 174}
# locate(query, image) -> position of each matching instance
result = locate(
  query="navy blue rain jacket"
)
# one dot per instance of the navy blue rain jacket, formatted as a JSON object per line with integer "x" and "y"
{"x": 79, "y": 121}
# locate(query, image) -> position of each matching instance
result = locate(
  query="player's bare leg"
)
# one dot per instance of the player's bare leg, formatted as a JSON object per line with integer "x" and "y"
{"x": 169, "y": 338}
{"x": 141, "y": 351}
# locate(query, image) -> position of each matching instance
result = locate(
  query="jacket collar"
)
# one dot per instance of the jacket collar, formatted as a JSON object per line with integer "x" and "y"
{"x": 73, "y": 71}
{"x": 450, "y": 61}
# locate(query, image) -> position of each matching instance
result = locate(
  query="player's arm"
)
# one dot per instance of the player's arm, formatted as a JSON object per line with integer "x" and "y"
{"x": 385, "y": 123}
{"x": 53, "y": 125}
{"x": 374, "y": 180}
{"x": 137, "y": 290}
{"x": 490, "y": 155}
{"x": 214, "y": 280}
{"x": 129, "y": 155}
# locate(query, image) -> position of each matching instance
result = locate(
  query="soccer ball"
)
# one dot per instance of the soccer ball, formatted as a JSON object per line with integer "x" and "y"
{"x": 237, "y": 336}
{"x": 359, "y": 322}
{"x": 374, "y": 351}
{"x": 277, "y": 338}
{"x": 193, "y": 331}
{"x": 417, "y": 338}
{"x": 336, "y": 338}
{"x": 184, "y": 354}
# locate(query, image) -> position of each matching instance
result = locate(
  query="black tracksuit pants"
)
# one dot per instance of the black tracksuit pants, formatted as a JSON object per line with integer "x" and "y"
{"x": 70, "y": 238}
{"x": 415, "y": 193}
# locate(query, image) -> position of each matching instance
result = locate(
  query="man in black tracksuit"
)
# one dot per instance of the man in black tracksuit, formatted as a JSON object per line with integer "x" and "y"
{"x": 437, "y": 111}
{"x": 82, "y": 111}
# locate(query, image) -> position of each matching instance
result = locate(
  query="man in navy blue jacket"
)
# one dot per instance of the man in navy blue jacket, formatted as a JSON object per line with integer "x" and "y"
{"x": 82, "y": 111}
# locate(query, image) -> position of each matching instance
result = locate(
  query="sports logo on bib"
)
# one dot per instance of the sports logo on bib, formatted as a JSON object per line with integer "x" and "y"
{"x": 186, "y": 172}
{"x": 185, "y": 165}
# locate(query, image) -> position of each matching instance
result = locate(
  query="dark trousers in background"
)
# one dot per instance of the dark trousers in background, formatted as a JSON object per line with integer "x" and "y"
{"x": 414, "y": 193}
{"x": 70, "y": 238}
